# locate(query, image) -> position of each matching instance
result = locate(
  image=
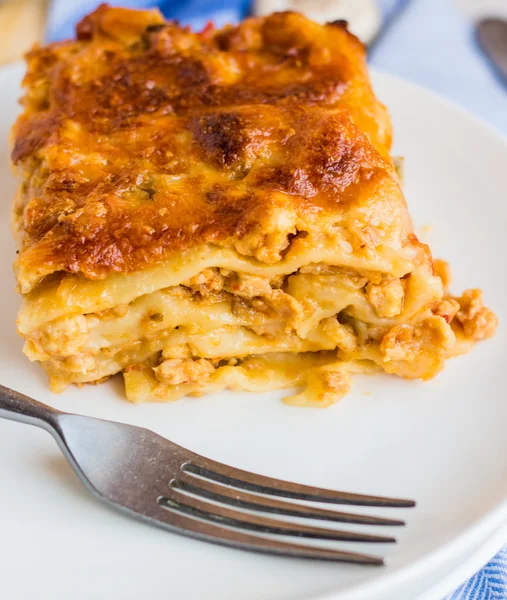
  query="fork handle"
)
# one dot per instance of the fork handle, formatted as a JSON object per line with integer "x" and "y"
{"x": 18, "y": 407}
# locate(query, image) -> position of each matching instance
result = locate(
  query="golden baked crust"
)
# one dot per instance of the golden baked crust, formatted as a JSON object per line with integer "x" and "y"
{"x": 220, "y": 210}
{"x": 141, "y": 139}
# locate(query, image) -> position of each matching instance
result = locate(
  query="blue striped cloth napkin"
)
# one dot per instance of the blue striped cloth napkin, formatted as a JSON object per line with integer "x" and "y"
{"x": 438, "y": 51}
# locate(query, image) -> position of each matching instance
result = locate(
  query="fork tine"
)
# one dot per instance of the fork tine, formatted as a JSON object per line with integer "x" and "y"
{"x": 215, "y": 471}
{"x": 234, "y": 518}
{"x": 232, "y": 496}
{"x": 177, "y": 522}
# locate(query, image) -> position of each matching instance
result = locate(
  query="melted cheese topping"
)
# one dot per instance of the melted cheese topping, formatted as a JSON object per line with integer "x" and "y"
{"x": 140, "y": 140}
{"x": 220, "y": 210}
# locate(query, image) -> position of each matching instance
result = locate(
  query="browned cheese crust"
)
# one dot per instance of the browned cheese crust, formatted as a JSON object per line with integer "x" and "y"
{"x": 141, "y": 139}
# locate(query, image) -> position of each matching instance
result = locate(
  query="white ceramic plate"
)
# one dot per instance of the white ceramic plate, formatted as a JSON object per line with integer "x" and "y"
{"x": 442, "y": 442}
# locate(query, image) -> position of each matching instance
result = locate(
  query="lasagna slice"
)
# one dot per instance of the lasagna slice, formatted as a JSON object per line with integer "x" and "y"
{"x": 213, "y": 210}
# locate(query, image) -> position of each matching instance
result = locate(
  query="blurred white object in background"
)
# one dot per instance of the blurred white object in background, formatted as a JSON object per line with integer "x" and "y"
{"x": 21, "y": 25}
{"x": 363, "y": 16}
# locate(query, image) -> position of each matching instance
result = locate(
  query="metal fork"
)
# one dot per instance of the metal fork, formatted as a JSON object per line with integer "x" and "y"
{"x": 153, "y": 479}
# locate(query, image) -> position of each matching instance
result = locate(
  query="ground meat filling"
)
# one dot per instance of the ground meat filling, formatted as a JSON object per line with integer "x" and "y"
{"x": 274, "y": 308}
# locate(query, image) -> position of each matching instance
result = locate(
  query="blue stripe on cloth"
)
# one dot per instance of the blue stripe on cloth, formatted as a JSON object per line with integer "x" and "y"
{"x": 490, "y": 583}
{"x": 64, "y": 14}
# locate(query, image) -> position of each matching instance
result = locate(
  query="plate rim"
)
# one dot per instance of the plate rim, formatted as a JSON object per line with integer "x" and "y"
{"x": 495, "y": 517}
{"x": 472, "y": 563}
